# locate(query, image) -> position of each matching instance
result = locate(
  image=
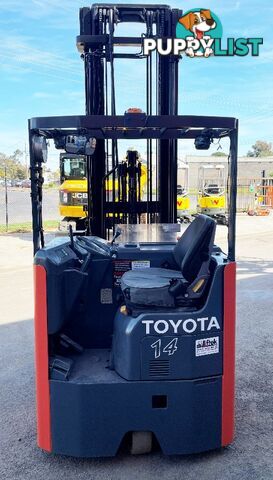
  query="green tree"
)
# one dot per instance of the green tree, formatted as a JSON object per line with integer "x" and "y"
{"x": 261, "y": 149}
{"x": 14, "y": 168}
{"x": 219, "y": 154}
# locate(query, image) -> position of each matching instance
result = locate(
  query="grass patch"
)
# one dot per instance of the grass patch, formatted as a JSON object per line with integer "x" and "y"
{"x": 25, "y": 227}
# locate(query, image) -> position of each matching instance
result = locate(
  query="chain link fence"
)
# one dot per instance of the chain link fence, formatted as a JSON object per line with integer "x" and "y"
{"x": 15, "y": 204}
{"x": 15, "y": 207}
{"x": 246, "y": 196}
{"x": 254, "y": 193}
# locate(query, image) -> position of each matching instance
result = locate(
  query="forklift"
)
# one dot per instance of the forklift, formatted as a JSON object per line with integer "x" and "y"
{"x": 212, "y": 192}
{"x": 134, "y": 340}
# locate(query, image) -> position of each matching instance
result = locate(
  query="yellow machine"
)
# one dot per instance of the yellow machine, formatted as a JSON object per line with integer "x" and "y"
{"x": 212, "y": 192}
{"x": 73, "y": 189}
{"x": 133, "y": 172}
{"x": 183, "y": 199}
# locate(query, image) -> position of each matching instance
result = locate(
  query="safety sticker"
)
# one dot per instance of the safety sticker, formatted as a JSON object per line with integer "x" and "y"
{"x": 140, "y": 264}
{"x": 106, "y": 296}
{"x": 206, "y": 346}
{"x": 119, "y": 268}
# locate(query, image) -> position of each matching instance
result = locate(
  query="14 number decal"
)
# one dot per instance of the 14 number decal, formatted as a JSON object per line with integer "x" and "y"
{"x": 170, "y": 348}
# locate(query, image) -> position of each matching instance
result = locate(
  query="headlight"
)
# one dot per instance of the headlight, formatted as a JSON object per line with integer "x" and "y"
{"x": 64, "y": 196}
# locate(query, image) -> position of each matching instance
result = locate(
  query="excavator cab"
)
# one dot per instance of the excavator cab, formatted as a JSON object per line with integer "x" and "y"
{"x": 73, "y": 190}
{"x": 183, "y": 197}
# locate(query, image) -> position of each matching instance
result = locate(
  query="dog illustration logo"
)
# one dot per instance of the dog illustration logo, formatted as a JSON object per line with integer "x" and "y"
{"x": 198, "y": 22}
{"x": 198, "y": 26}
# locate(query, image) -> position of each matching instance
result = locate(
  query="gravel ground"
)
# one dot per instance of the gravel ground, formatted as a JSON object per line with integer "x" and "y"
{"x": 250, "y": 456}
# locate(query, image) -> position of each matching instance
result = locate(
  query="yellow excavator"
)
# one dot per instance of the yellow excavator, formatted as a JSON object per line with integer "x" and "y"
{"x": 212, "y": 192}
{"x": 183, "y": 198}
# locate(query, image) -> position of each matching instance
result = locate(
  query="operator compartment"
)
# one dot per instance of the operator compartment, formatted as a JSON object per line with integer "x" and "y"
{"x": 135, "y": 315}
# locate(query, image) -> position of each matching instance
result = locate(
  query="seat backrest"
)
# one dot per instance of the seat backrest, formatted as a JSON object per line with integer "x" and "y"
{"x": 195, "y": 247}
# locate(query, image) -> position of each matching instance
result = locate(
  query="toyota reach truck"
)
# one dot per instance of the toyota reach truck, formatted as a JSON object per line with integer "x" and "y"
{"x": 134, "y": 339}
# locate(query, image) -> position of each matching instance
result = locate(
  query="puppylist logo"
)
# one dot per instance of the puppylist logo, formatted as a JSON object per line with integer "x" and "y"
{"x": 199, "y": 34}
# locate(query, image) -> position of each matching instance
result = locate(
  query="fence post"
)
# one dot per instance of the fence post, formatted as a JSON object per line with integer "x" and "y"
{"x": 6, "y": 200}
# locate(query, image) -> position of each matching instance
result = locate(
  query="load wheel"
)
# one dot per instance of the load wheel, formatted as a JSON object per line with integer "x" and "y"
{"x": 141, "y": 443}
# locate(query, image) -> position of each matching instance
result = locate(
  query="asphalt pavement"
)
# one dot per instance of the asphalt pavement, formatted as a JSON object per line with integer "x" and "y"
{"x": 251, "y": 454}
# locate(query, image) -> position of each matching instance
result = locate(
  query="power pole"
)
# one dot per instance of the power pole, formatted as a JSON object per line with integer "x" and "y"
{"x": 6, "y": 199}
{"x": 25, "y": 158}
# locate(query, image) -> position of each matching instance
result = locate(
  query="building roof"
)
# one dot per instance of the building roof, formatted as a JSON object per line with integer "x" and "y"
{"x": 218, "y": 160}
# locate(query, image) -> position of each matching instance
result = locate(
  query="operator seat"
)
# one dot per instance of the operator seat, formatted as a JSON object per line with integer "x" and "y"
{"x": 162, "y": 287}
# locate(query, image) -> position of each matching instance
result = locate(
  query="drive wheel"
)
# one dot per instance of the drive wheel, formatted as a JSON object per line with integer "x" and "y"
{"x": 141, "y": 443}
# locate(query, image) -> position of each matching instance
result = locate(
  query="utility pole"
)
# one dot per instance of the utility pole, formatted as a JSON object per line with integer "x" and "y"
{"x": 25, "y": 158}
{"x": 6, "y": 199}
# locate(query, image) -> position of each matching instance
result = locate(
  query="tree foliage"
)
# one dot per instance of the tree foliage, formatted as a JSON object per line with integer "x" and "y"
{"x": 219, "y": 154}
{"x": 13, "y": 166}
{"x": 261, "y": 149}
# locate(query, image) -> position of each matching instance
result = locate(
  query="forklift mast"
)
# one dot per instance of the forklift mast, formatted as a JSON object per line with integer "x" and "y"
{"x": 159, "y": 127}
{"x": 97, "y": 44}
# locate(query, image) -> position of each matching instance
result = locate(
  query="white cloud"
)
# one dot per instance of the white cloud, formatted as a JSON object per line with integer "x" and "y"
{"x": 18, "y": 52}
{"x": 45, "y": 95}
{"x": 11, "y": 140}
{"x": 220, "y": 9}
{"x": 37, "y": 8}
{"x": 64, "y": 94}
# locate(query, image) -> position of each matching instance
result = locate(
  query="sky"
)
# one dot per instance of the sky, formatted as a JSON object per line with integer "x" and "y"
{"x": 41, "y": 72}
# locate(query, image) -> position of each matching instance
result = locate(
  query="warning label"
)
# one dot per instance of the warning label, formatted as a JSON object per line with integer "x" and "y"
{"x": 122, "y": 266}
{"x": 206, "y": 346}
{"x": 140, "y": 264}
{"x": 106, "y": 296}
{"x": 119, "y": 268}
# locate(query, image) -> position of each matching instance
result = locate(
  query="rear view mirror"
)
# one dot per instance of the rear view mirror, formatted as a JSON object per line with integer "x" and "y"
{"x": 39, "y": 144}
{"x": 203, "y": 141}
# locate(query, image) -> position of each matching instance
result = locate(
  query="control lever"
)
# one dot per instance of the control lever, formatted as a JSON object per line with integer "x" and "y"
{"x": 85, "y": 263}
{"x": 76, "y": 250}
{"x": 72, "y": 244}
{"x": 118, "y": 232}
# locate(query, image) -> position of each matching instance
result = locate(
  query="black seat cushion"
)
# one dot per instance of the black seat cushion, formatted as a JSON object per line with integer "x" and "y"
{"x": 149, "y": 286}
{"x": 195, "y": 246}
{"x": 192, "y": 255}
